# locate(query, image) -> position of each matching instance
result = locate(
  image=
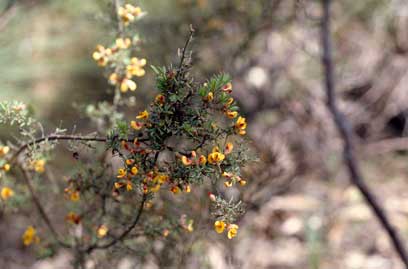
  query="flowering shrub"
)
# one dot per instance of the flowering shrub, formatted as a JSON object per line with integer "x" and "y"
{"x": 190, "y": 135}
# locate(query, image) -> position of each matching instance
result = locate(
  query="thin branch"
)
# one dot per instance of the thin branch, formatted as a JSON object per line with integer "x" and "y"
{"x": 41, "y": 209}
{"x": 124, "y": 233}
{"x": 345, "y": 131}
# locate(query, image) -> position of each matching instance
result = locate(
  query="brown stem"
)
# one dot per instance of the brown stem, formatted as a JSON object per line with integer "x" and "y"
{"x": 41, "y": 209}
{"x": 347, "y": 137}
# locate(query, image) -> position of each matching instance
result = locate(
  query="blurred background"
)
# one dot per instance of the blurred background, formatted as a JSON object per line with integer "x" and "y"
{"x": 302, "y": 210}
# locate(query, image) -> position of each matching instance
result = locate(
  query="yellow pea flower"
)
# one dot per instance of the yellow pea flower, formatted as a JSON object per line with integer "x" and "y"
{"x": 143, "y": 115}
{"x": 129, "y": 186}
{"x": 215, "y": 157}
{"x": 123, "y": 43}
{"x": 134, "y": 170}
{"x": 102, "y": 231}
{"x": 219, "y": 226}
{"x": 74, "y": 196}
{"x": 202, "y": 160}
{"x": 175, "y": 189}
{"x": 228, "y": 148}
{"x": 130, "y": 161}
{"x": 121, "y": 173}
{"x": 39, "y": 166}
{"x": 241, "y": 125}
{"x": 135, "y": 68}
{"x": 6, "y": 167}
{"x": 155, "y": 188}
{"x": 136, "y": 125}
{"x": 6, "y": 193}
{"x": 231, "y": 114}
{"x": 127, "y": 84}
{"x": 242, "y": 182}
{"x": 160, "y": 99}
{"x": 228, "y": 184}
{"x": 186, "y": 161}
{"x": 209, "y": 97}
{"x": 30, "y": 236}
{"x": 190, "y": 227}
{"x": 73, "y": 218}
{"x": 229, "y": 101}
{"x": 4, "y": 150}
{"x": 232, "y": 230}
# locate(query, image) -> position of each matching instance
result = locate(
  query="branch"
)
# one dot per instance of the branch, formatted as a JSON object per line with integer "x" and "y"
{"x": 41, "y": 209}
{"x": 124, "y": 233}
{"x": 346, "y": 135}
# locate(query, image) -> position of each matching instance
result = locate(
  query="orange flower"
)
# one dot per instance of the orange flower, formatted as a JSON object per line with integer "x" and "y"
{"x": 73, "y": 218}
{"x": 136, "y": 125}
{"x": 228, "y": 148}
{"x": 231, "y": 114}
{"x": 202, "y": 160}
{"x": 143, "y": 115}
{"x": 121, "y": 173}
{"x": 160, "y": 99}
{"x": 186, "y": 161}
{"x": 227, "y": 88}
{"x": 241, "y": 125}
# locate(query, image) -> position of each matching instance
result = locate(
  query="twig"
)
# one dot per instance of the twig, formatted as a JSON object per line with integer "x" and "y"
{"x": 346, "y": 135}
{"x": 41, "y": 209}
{"x": 124, "y": 233}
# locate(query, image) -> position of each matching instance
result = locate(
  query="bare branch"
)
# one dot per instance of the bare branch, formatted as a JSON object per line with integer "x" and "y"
{"x": 345, "y": 131}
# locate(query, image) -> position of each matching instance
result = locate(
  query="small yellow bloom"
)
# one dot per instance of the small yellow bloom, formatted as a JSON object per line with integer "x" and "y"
{"x": 129, "y": 186}
{"x": 160, "y": 178}
{"x": 39, "y": 166}
{"x": 6, "y": 167}
{"x": 242, "y": 182}
{"x": 121, "y": 173}
{"x": 101, "y": 55}
{"x": 232, "y": 230}
{"x": 135, "y": 68}
{"x": 202, "y": 160}
{"x": 155, "y": 188}
{"x": 4, "y": 150}
{"x": 209, "y": 97}
{"x": 74, "y": 196}
{"x": 102, "y": 231}
{"x": 114, "y": 79}
{"x": 166, "y": 232}
{"x": 175, "y": 189}
{"x": 229, "y": 101}
{"x": 241, "y": 125}
{"x": 130, "y": 161}
{"x": 228, "y": 148}
{"x": 228, "y": 184}
{"x": 215, "y": 157}
{"x": 227, "y": 88}
{"x": 160, "y": 99}
{"x": 123, "y": 43}
{"x": 190, "y": 227}
{"x": 186, "y": 161}
{"x": 227, "y": 174}
{"x": 143, "y": 115}
{"x": 119, "y": 185}
{"x": 136, "y": 125}
{"x": 6, "y": 193}
{"x": 73, "y": 218}
{"x": 30, "y": 236}
{"x": 127, "y": 84}
{"x": 135, "y": 11}
{"x": 231, "y": 114}
{"x": 134, "y": 170}
{"x": 187, "y": 189}
{"x": 219, "y": 226}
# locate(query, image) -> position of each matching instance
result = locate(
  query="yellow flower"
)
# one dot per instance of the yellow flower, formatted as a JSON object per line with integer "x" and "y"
{"x": 127, "y": 84}
{"x": 6, "y": 193}
{"x": 134, "y": 170}
{"x": 123, "y": 43}
{"x": 175, "y": 189}
{"x": 187, "y": 189}
{"x": 135, "y": 11}
{"x": 166, "y": 232}
{"x": 6, "y": 167}
{"x": 159, "y": 99}
{"x": 143, "y": 115}
{"x": 190, "y": 227}
{"x": 102, "y": 231}
{"x": 228, "y": 184}
{"x": 209, "y": 97}
{"x": 30, "y": 236}
{"x": 160, "y": 178}
{"x": 227, "y": 174}
{"x": 125, "y": 16}
{"x": 155, "y": 188}
{"x": 129, "y": 186}
{"x": 136, "y": 125}
{"x": 136, "y": 67}
{"x": 232, "y": 230}
{"x": 231, "y": 114}
{"x": 39, "y": 166}
{"x": 219, "y": 226}
{"x": 101, "y": 55}
{"x": 215, "y": 157}
{"x": 4, "y": 150}
{"x": 121, "y": 173}
{"x": 229, "y": 101}
{"x": 186, "y": 161}
{"x": 241, "y": 125}
{"x": 73, "y": 218}
{"x": 74, "y": 196}
{"x": 228, "y": 148}
{"x": 202, "y": 160}
{"x": 227, "y": 88}
{"x": 242, "y": 182}
{"x": 119, "y": 185}
{"x": 113, "y": 79}
{"x": 130, "y": 161}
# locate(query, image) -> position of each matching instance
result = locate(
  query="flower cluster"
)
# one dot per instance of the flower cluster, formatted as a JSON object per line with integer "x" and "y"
{"x": 117, "y": 59}
{"x": 220, "y": 226}
{"x": 30, "y": 236}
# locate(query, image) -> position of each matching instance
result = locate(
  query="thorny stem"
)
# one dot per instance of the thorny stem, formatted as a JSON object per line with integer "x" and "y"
{"x": 346, "y": 134}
